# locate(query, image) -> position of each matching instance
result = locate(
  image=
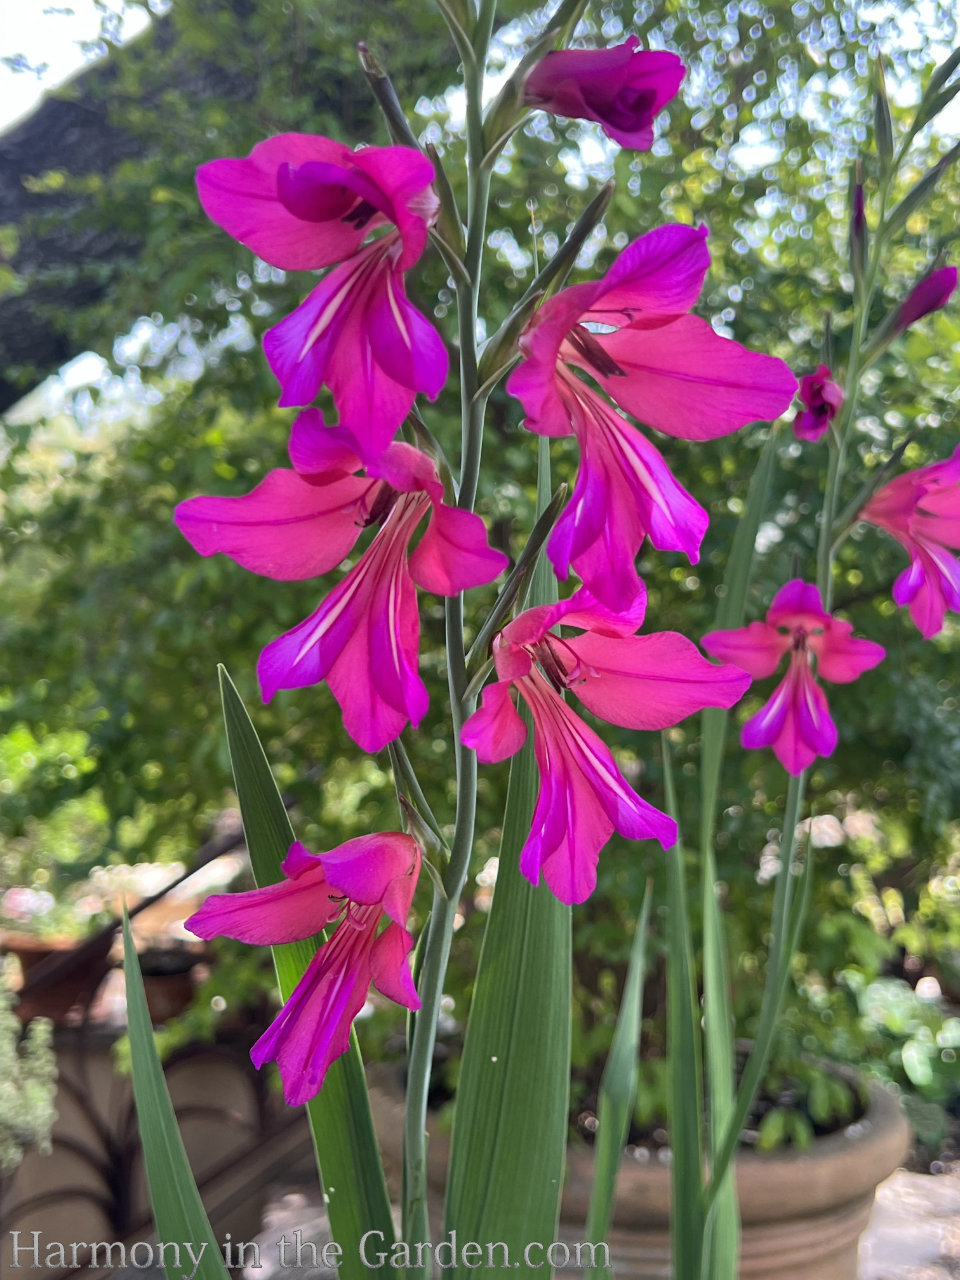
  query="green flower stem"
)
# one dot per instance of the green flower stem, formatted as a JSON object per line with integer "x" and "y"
{"x": 848, "y": 415}
{"x": 784, "y": 933}
{"x": 436, "y": 949}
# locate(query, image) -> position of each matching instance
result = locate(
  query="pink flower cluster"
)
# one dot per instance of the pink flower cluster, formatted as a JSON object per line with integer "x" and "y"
{"x": 304, "y": 202}
{"x": 593, "y": 358}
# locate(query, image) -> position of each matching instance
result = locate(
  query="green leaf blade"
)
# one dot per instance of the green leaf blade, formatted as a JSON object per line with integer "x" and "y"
{"x": 178, "y": 1211}
{"x": 618, "y": 1087}
{"x": 340, "y": 1118}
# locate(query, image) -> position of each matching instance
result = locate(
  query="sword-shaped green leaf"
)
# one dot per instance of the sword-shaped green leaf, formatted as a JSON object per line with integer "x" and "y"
{"x": 618, "y": 1089}
{"x": 510, "y": 1128}
{"x": 684, "y": 1061}
{"x": 177, "y": 1208}
{"x": 340, "y": 1121}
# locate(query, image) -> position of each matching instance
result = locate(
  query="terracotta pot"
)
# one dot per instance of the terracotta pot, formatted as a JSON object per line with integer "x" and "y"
{"x": 803, "y": 1212}
{"x": 60, "y": 976}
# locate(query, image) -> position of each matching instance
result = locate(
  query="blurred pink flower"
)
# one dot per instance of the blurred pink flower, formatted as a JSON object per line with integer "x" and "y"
{"x": 640, "y": 682}
{"x": 364, "y": 638}
{"x": 822, "y": 398}
{"x": 353, "y": 886}
{"x": 796, "y": 720}
{"x": 622, "y": 88}
{"x": 921, "y": 509}
{"x": 630, "y": 334}
{"x": 303, "y": 202}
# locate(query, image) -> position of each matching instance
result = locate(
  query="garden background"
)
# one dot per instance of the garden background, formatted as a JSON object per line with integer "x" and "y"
{"x": 111, "y": 750}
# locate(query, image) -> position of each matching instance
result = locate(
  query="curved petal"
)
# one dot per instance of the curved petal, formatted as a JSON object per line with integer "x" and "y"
{"x": 286, "y": 528}
{"x": 650, "y": 682}
{"x": 795, "y": 722}
{"x": 623, "y": 493}
{"x": 756, "y": 648}
{"x": 496, "y": 730}
{"x": 405, "y": 344}
{"x": 798, "y": 604}
{"x": 241, "y": 195}
{"x": 363, "y": 640}
{"x": 316, "y": 449}
{"x": 340, "y": 335}
{"x": 684, "y": 379}
{"x": 660, "y": 272}
{"x": 622, "y": 88}
{"x": 453, "y": 554}
{"x": 390, "y": 966}
{"x": 841, "y": 658}
{"x": 534, "y": 382}
{"x": 292, "y": 909}
{"x": 405, "y": 176}
{"x": 583, "y": 798}
{"x": 376, "y": 869}
{"x": 313, "y": 1027}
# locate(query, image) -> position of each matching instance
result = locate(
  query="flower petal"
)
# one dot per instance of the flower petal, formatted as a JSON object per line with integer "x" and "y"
{"x": 622, "y": 88}
{"x": 496, "y": 730}
{"x": 286, "y": 528}
{"x": 390, "y": 966}
{"x": 650, "y": 682}
{"x": 363, "y": 640}
{"x": 295, "y": 908}
{"x": 378, "y": 869}
{"x": 241, "y": 196}
{"x": 684, "y": 379}
{"x": 313, "y": 1027}
{"x": 453, "y": 554}
{"x": 583, "y": 798}
{"x": 756, "y": 648}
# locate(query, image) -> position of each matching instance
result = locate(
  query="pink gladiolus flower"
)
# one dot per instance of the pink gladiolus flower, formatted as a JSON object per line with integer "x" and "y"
{"x": 922, "y": 510}
{"x": 622, "y": 88}
{"x": 640, "y": 682}
{"x": 364, "y": 638}
{"x": 929, "y": 294}
{"x": 304, "y": 202}
{"x": 796, "y": 721}
{"x": 353, "y": 886}
{"x": 822, "y": 398}
{"x": 667, "y": 368}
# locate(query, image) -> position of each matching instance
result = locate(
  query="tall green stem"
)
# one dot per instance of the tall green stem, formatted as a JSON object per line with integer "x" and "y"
{"x": 440, "y": 928}
{"x": 838, "y": 440}
{"x": 782, "y": 940}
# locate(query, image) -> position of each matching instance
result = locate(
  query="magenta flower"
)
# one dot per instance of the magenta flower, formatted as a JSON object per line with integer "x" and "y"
{"x": 622, "y": 88}
{"x": 364, "y": 638}
{"x": 929, "y": 294}
{"x": 640, "y": 682}
{"x": 921, "y": 509}
{"x": 304, "y": 202}
{"x": 630, "y": 334}
{"x": 353, "y": 886}
{"x": 796, "y": 721}
{"x": 624, "y": 492}
{"x": 822, "y": 398}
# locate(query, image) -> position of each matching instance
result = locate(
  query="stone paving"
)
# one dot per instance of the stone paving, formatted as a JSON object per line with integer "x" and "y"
{"x": 914, "y": 1233}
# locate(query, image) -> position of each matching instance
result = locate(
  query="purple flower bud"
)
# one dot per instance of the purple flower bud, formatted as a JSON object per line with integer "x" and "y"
{"x": 622, "y": 88}
{"x": 930, "y": 294}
